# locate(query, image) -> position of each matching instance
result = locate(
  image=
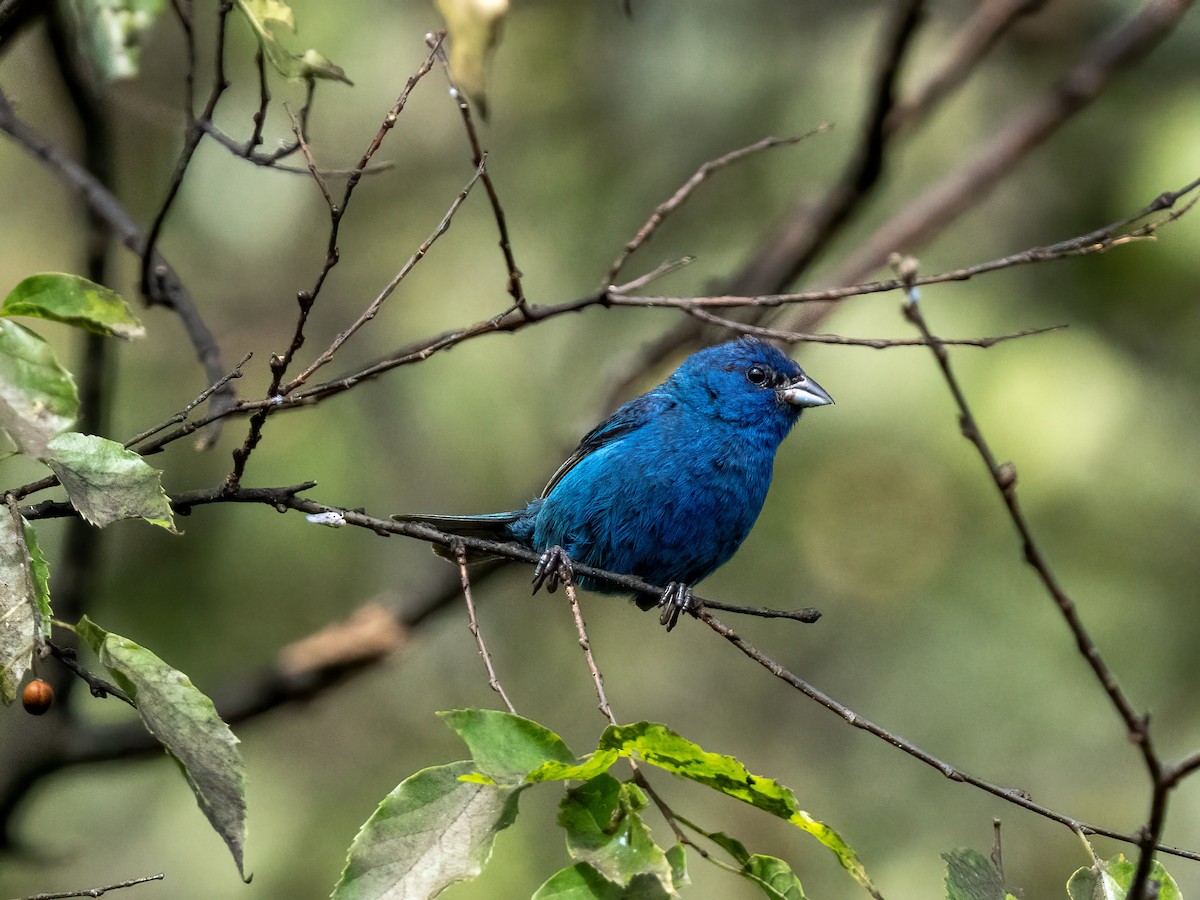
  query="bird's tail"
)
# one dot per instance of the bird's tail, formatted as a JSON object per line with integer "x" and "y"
{"x": 490, "y": 527}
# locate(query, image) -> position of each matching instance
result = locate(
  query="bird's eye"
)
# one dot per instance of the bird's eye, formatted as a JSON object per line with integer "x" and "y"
{"x": 756, "y": 375}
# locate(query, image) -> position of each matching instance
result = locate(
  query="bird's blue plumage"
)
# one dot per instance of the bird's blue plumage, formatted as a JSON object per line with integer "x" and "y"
{"x": 670, "y": 485}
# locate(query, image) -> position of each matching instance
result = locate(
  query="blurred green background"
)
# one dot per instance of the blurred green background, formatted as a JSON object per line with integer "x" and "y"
{"x": 880, "y": 515}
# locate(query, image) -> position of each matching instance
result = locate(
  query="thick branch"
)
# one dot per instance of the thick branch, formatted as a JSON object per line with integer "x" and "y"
{"x": 1025, "y": 130}
{"x": 105, "y": 206}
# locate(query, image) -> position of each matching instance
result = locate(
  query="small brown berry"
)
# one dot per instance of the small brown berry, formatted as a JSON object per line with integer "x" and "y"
{"x": 37, "y": 697}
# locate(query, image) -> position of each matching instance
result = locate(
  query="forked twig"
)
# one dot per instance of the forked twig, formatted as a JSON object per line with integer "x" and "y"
{"x": 478, "y": 156}
{"x": 676, "y": 200}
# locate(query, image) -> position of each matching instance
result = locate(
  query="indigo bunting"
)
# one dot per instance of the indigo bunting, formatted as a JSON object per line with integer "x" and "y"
{"x": 668, "y": 487}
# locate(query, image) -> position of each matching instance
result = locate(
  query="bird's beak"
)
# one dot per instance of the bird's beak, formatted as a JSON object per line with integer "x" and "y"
{"x": 802, "y": 391}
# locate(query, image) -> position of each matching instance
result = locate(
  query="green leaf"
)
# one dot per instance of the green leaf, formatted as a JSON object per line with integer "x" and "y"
{"x": 107, "y": 483}
{"x": 186, "y": 723}
{"x": 604, "y": 830}
{"x": 73, "y": 300}
{"x": 265, "y": 17}
{"x": 24, "y": 603}
{"x": 972, "y": 876}
{"x": 677, "y": 857}
{"x": 774, "y": 876}
{"x": 506, "y": 746}
{"x": 433, "y": 830}
{"x": 1111, "y": 879}
{"x": 584, "y": 770}
{"x": 113, "y": 32}
{"x": 659, "y": 746}
{"x": 730, "y": 845}
{"x": 474, "y": 28}
{"x": 582, "y": 882}
{"x": 37, "y": 395}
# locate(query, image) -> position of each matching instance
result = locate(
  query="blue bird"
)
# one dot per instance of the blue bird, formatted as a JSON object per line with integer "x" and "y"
{"x": 669, "y": 486}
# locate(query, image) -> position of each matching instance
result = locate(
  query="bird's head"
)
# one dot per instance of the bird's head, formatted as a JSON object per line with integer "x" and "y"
{"x": 748, "y": 382}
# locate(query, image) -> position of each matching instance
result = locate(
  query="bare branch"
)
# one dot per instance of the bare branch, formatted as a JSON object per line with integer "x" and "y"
{"x": 478, "y": 156}
{"x": 154, "y": 290}
{"x": 460, "y": 556}
{"x": 1004, "y": 477}
{"x": 1026, "y": 130}
{"x": 792, "y": 249}
{"x": 373, "y": 308}
{"x": 280, "y": 363}
{"x": 275, "y": 688}
{"x": 1012, "y": 795}
{"x": 586, "y": 644}
{"x": 98, "y": 686}
{"x": 676, "y": 200}
{"x": 95, "y": 892}
{"x": 104, "y": 205}
{"x": 990, "y": 21}
{"x": 795, "y": 337}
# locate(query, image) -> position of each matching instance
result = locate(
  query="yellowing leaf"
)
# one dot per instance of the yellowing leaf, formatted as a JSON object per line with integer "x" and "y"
{"x": 264, "y": 17}
{"x": 474, "y": 28}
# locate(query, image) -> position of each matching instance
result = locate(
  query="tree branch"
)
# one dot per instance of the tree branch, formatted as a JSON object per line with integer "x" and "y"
{"x": 104, "y": 205}
{"x": 1027, "y": 129}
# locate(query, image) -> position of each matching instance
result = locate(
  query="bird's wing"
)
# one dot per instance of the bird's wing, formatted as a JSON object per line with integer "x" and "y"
{"x": 627, "y": 419}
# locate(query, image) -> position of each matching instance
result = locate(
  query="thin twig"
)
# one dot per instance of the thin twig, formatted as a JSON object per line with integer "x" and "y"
{"x": 182, "y": 415}
{"x": 288, "y": 498}
{"x": 98, "y": 686}
{"x": 639, "y": 776}
{"x": 1004, "y": 477}
{"x": 1009, "y": 144}
{"x": 264, "y": 100}
{"x": 104, "y": 205}
{"x": 969, "y": 47}
{"x": 313, "y": 170}
{"x": 586, "y": 644}
{"x": 151, "y": 285}
{"x": 1011, "y": 795}
{"x": 676, "y": 200}
{"x": 663, "y": 268}
{"x": 478, "y": 156}
{"x": 280, "y": 363}
{"x": 373, "y": 308}
{"x": 460, "y": 556}
{"x": 793, "y": 337}
{"x": 95, "y": 892}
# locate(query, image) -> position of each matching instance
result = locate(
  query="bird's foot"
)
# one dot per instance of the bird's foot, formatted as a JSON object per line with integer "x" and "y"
{"x": 553, "y": 569}
{"x": 676, "y": 600}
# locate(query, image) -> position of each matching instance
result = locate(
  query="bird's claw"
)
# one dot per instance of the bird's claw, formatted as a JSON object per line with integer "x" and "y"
{"x": 676, "y": 600}
{"x": 554, "y": 568}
